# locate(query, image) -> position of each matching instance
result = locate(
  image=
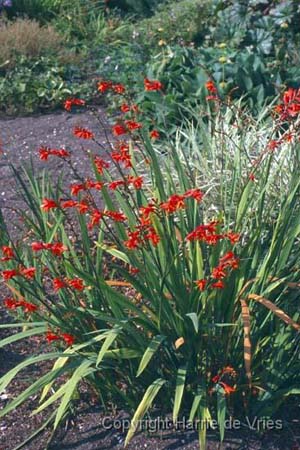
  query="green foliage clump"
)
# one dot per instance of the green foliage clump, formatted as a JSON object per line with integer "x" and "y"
{"x": 42, "y": 10}
{"x": 184, "y": 21}
{"x": 139, "y": 7}
{"x": 38, "y": 85}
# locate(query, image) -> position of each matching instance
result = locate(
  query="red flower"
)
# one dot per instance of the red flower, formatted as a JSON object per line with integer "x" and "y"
{"x": 82, "y": 207}
{"x": 83, "y": 133}
{"x": 68, "y": 204}
{"x": 137, "y": 182}
{"x": 118, "y": 88}
{"x": 153, "y": 237}
{"x": 174, "y": 203}
{"x": 115, "y": 215}
{"x": 154, "y": 134}
{"x": 227, "y": 389}
{"x": 44, "y": 153}
{"x": 216, "y": 378}
{"x": 11, "y": 303}
{"x": 196, "y": 194}
{"x": 201, "y": 284}
{"x": 52, "y": 337}
{"x": 123, "y": 156}
{"x": 115, "y": 184}
{"x": 100, "y": 164}
{"x": 125, "y": 108}
{"x": 210, "y": 86}
{"x": 68, "y": 338}
{"x": 152, "y": 85}
{"x": 76, "y": 188}
{"x": 291, "y": 104}
{"x": 294, "y": 109}
{"x": 37, "y": 246}
{"x": 291, "y": 95}
{"x": 206, "y": 233}
{"x": 218, "y": 285}
{"x": 98, "y": 185}
{"x": 147, "y": 210}
{"x": 229, "y": 260}
{"x": 68, "y": 104}
{"x": 218, "y": 272}
{"x": 62, "y": 153}
{"x": 233, "y": 237}
{"x": 57, "y": 249}
{"x": 95, "y": 218}
{"x": 133, "y": 241}
{"x": 288, "y": 137}
{"x": 118, "y": 130}
{"x": 48, "y": 204}
{"x": 58, "y": 284}
{"x": 9, "y": 274}
{"x": 103, "y": 86}
{"x": 73, "y": 101}
{"x": 252, "y": 177}
{"x": 76, "y": 284}
{"x": 272, "y": 145}
{"x": 133, "y": 270}
{"x": 132, "y": 125}
{"x": 29, "y": 307}
{"x": 8, "y": 252}
{"x": 28, "y": 273}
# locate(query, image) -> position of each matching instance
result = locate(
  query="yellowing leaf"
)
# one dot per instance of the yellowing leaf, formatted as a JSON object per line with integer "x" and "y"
{"x": 179, "y": 342}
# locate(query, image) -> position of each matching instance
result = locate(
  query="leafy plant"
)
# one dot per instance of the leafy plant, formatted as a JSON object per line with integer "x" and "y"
{"x": 42, "y": 10}
{"x": 38, "y": 84}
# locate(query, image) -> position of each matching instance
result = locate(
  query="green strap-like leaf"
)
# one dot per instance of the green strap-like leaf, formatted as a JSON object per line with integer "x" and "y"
{"x": 31, "y": 390}
{"x": 221, "y": 413}
{"x": 195, "y": 406}
{"x": 82, "y": 371}
{"x": 143, "y": 407}
{"x": 180, "y": 382}
{"x": 195, "y": 320}
{"x": 22, "y": 335}
{"x": 152, "y": 348}
{"x": 6, "y": 379}
{"x": 111, "y": 336}
{"x": 113, "y": 251}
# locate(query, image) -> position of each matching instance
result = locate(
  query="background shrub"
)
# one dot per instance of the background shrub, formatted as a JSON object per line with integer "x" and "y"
{"x": 39, "y": 84}
{"x": 42, "y": 10}
{"x": 27, "y": 38}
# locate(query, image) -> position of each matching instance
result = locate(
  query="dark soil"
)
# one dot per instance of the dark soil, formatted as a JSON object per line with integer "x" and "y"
{"x": 20, "y": 141}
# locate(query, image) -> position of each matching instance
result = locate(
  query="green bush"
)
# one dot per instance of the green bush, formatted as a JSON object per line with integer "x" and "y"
{"x": 139, "y": 7}
{"x": 174, "y": 22}
{"x": 38, "y": 85}
{"x": 42, "y": 10}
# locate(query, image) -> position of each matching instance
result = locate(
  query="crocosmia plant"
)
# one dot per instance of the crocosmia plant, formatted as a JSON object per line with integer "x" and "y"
{"x": 166, "y": 278}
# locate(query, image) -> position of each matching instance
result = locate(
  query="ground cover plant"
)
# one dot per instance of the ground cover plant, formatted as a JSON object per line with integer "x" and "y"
{"x": 168, "y": 279}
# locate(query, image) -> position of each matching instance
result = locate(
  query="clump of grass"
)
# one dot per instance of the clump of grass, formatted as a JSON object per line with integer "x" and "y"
{"x": 27, "y": 38}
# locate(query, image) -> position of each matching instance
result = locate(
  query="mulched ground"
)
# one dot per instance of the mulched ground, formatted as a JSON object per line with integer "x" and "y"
{"x": 20, "y": 140}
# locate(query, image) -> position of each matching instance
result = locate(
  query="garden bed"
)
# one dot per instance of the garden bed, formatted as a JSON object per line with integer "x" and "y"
{"x": 21, "y": 139}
